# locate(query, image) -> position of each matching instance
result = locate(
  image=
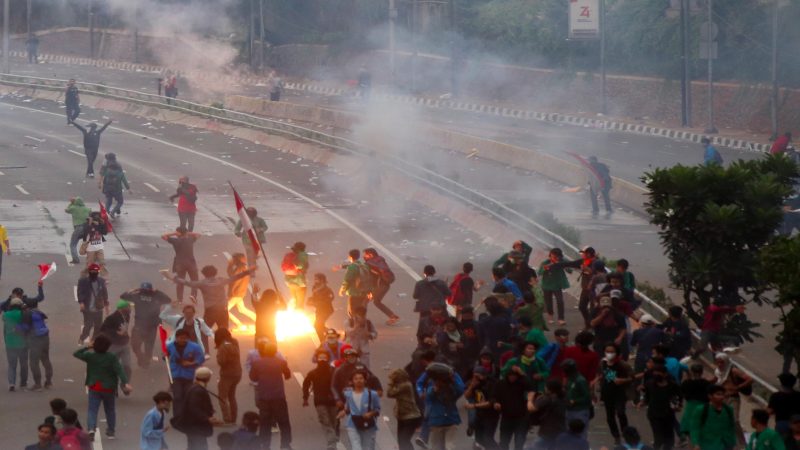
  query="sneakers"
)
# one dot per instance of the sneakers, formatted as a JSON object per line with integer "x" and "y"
{"x": 36, "y": 388}
{"x": 12, "y": 388}
{"x": 91, "y": 436}
{"x": 470, "y": 431}
{"x": 111, "y": 435}
{"x": 420, "y": 443}
{"x": 48, "y": 385}
{"x": 75, "y": 261}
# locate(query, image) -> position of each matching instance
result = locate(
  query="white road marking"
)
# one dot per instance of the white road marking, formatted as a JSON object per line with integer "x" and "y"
{"x": 98, "y": 441}
{"x": 226, "y": 255}
{"x": 299, "y": 377}
{"x": 1, "y": 173}
{"x": 155, "y": 189}
{"x": 34, "y": 138}
{"x": 77, "y": 153}
{"x": 21, "y": 189}
{"x": 75, "y": 293}
{"x": 68, "y": 254}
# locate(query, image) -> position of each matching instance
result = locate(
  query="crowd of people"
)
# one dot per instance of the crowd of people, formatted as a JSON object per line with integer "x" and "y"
{"x": 485, "y": 368}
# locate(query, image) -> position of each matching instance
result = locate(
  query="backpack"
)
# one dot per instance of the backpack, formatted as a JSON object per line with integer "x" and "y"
{"x": 74, "y": 441}
{"x": 288, "y": 265}
{"x": 456, "y": 296}
{"x": 111, "y": 180}
{"x": 363, "y": 281}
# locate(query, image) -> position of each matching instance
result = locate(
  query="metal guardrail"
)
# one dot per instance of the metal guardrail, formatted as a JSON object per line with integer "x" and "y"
{"x": 446, "y": 185}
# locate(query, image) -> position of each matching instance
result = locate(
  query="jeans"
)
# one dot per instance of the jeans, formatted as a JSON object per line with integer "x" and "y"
{"x": 17, "y": 356}
{"x": 327, "y": 418}
{"x": 583, "y": 305}
{"x": 143, "y": 335}
{"x": 548, "y": 302}
{"x": 227, "y": 397}
{"x": 92, "y": 320}
{"x": 108, "y": 399}
{"x": 186, "y": 220}
{"x": 663, "y": 432}
{"x": 321, "y": 315}
{"x": 615, "y": 411}
{"x": 298, "y": 293}
{"x": 39, "y": 351}
{"x": 543, "y": 443}
{"x": 179, "y": 388}
{"x": 362, "y": 439}
{"x": 583, "y": 416}
{"x": 111, "y": 197}
{"x": 442, "y": 438}
{"x": 123, "y": 352}
{"x": 405, "y": 431}
{"x": 73, "y": 111}
{"x": 708, "y": 337}
{"x": 91, "y": 156}
{"x": 606, "y": 199}
{"x": 77, "y": 236}
{"x": 377, "y": 298}
{"x": 271, "y": 412}
{"x": 181, "y": 270}
{"x": 516, "y": 427}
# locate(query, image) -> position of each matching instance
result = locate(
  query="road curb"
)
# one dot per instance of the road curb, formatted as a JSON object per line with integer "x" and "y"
{"x": 478, "y": 108}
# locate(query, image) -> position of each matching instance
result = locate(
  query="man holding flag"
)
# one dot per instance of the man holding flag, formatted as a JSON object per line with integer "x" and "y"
{"x": 251, "y": 229}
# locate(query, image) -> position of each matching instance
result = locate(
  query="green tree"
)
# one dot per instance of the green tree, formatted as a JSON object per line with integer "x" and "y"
{"x": 779, "y": 265}
{"x": 713, "y": 223}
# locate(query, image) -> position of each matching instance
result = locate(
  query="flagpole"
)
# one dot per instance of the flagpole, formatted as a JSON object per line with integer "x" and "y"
{"x": 261, "y": 249}
{"x": 114, "y": 232}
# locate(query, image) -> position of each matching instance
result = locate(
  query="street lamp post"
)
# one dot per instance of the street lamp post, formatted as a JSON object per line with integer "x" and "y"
{"x": 28, "y": 14}
{"x": 261, "y": 34}
{"x": 774, "y": 96}
{"x": 686, "y": 79}
{"x": 392, "y": 18}
{"x": 91, "y": 29}
{"x": 711, "y": 129}
{"x": 604, "y": 109}
{"x": 6, "y": 62}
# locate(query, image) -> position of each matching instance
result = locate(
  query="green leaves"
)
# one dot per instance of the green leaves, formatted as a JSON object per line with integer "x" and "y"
{"x": 714, "y": 223}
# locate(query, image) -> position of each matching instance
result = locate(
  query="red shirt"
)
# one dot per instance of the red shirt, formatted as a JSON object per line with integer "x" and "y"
{"x": 715, "y": 315}
{"x": 588, "y": 361}
{"x": 780, "y": 144}
{"x": 184, "y": 205}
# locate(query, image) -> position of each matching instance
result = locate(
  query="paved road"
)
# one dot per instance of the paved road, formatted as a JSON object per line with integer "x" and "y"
{"x": 155, "y": 155}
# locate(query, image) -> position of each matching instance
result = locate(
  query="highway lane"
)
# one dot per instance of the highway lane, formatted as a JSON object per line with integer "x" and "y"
{"x": 54, "y": 173}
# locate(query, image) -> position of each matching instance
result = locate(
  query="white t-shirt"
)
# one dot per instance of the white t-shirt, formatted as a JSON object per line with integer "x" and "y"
{"x": 95, "y": 241}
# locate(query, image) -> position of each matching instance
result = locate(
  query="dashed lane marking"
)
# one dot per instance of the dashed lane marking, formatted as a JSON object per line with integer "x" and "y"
{"x": 1, "y": 173}
{"x": 155, "y": 189}
{"x": 34, "y": 138}
{"x": 21, "y": 189}
{"x": 77, "y": 153}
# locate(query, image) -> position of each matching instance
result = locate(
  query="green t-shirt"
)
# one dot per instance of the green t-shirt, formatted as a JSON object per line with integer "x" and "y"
{"x": 768, "y": 439}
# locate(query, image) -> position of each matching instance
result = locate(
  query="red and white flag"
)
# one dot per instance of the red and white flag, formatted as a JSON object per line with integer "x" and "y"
{"x": 247, "y": 226}
{"x": 46, "y": 270}
{"x": 104, "y": 216}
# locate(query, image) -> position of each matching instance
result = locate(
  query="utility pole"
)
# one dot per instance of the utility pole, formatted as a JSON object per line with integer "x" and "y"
{"x": 711, "y": 129}
{"x": 261, "y": 34}
{"x": 414, "y": 44}
{"x": 604, "y": 109}
{"x": 686, "y": 79}
{"x": 6, "y": 62}
{"x": 250, "y": 35}
{"x": 28, "y": 14}
{"x": 392, "y": 18}
{"x": 136, "y": 44}
{"x": 774, "y": 97}
{"x": 91, "y": 30}
{"x": 454, "y": 59}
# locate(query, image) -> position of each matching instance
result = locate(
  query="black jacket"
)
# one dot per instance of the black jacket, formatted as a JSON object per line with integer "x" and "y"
{"x": 320, "y": 379}
{"x": 85, "y": 293}
{"x": 91, "y": 138}
{"x": 28, "y": 301}
{"x": 197, "y": 409}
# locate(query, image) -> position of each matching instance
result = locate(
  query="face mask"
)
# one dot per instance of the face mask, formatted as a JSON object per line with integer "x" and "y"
{"x": 93, "y": 275}
{"x": 322, "y": 363}
{"x": 610, "y": 356}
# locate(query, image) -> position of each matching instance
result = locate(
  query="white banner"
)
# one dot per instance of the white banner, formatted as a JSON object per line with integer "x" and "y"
{"x": 584, "y": 19}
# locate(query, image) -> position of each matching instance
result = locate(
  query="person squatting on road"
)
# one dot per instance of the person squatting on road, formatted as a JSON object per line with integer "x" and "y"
{"x": 187, "y": 203}
{"x": 91, "y": 144}
{"x": 72, "y": 100}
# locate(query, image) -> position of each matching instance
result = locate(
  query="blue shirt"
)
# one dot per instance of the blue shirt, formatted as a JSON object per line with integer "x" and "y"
{"x": 440, "y": 413}
{"x": 711, "y": 156}
{"x": 370, "y": 401}
{"x": 152, "y": 431}
{"x": 192, "y": 352}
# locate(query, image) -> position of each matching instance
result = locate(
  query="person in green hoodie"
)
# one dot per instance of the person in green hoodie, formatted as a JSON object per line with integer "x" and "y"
{"x": 80, "y": 213}
{"x": 528, "y": 365}
{"x": 713, "y": 424}
{"x": 764, "y": 437}
{"x": 553, "y": 283}
{"x": 103, "y": 374}
{"x": 16, "y": 349}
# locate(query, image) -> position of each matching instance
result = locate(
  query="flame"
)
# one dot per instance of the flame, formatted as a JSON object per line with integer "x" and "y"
{"x": 291, "y": 324}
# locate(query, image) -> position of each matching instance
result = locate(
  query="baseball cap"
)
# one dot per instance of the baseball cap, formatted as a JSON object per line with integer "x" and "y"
{"x": 93, "y": 268}
{"x": 647, "y": 318}
{"x": 351, "y": 351}
{"x": 203, "y": 373}
{"x": 146, "y": 286}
